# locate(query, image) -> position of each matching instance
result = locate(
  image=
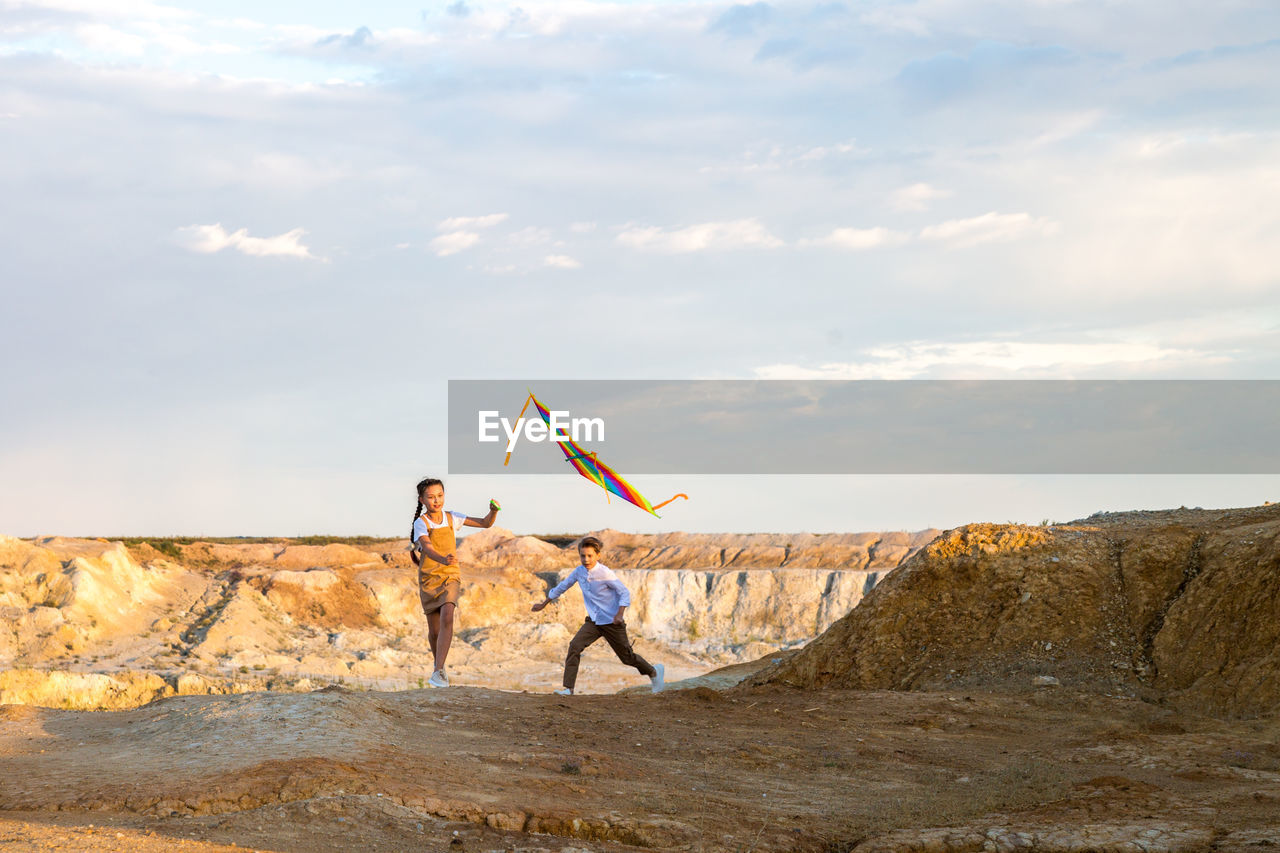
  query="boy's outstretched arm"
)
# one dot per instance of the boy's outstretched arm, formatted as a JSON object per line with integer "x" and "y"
{"x": 556, "y": 591}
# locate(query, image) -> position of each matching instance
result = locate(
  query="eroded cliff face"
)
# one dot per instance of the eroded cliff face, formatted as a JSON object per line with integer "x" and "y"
{"x": 1180, "y": 606}
{"x": 121, "y": 625}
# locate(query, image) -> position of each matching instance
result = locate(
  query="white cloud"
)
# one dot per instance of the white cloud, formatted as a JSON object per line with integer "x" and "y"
{"x": 451, "y": 244}
{"x": 822, "y": 152}
{"x": 859, "y": 239}
{"x": 460, "y": 223}
{"x": 130, "y": 9}
{"x": 777, "y": 157}
{"x": 208, "y": 239}
{"x": 736, "y": 234}
{"x": 100, "y": 37}
{"x": 582, "y": 227}
{"x": 988, "y": 228}
{"x": 985, "y": 359}
{"x": 916, "y": 197}
{"x": 528, "y": 237}
{"x": 563, "y": 262}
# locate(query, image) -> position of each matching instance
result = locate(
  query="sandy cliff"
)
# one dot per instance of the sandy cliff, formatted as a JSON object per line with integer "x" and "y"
{"x": 98, "y": 624}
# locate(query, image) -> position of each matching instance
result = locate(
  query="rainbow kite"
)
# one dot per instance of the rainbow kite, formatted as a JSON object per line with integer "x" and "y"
{"x": 589, "y": 465}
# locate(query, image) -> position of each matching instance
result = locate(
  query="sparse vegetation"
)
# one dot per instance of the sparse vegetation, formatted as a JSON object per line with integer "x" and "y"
{"x": 169, "y": 549}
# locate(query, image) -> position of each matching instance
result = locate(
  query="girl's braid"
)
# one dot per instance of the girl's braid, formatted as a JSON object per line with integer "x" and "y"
{"x": 413, "y": 551}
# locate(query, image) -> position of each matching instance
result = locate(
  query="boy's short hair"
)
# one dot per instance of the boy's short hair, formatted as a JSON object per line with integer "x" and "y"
{"x": 591, "y": 542}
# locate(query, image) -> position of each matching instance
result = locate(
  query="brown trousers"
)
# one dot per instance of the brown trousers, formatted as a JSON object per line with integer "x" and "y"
{"x": 615, "y": 636}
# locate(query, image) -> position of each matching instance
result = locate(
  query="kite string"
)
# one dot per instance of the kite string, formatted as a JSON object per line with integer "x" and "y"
{"x": 518, "y": 417}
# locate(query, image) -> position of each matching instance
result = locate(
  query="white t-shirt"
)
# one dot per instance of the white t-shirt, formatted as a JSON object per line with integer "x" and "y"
{"x": 423, "y": 526}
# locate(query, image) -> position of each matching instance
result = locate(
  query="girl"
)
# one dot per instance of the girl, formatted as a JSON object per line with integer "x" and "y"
{"x": 439, "y": 581}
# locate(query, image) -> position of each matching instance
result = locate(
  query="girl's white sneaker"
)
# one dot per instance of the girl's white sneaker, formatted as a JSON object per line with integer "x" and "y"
{"x": 658, "y": 679}
{"x": 564, "y": 691}
{"x": 438, "y": 679}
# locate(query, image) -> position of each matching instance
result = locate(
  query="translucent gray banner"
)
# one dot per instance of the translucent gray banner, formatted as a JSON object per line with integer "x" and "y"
{"x": 871, "y": 427}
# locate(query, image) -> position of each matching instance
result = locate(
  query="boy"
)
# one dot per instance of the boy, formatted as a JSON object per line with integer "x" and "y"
{"x": 606, "y": 598}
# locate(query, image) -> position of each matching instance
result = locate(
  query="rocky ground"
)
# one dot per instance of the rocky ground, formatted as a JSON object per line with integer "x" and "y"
{"x": 1107, "y": 684}
{"x": 764, "y": 768}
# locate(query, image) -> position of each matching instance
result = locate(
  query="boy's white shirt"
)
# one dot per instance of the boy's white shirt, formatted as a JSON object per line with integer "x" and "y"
{"x": 602, "y": 592}
{"x": 423, "y": 526}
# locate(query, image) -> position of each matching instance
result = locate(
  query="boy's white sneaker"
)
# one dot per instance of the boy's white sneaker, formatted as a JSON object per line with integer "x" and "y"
{"x": 658, "y": 679}
{"x": 438, "y": 679}
{"x": 564, "y": 691}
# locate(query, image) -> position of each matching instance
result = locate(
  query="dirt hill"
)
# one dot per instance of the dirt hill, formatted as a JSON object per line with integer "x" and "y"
{"x": 1180, "y": 606}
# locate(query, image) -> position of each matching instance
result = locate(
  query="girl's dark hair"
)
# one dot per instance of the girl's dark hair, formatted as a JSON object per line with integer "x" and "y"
{"x": 417, "y": 511}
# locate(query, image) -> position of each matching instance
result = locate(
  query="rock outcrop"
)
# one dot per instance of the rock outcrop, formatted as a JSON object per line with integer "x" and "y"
{"x": 281, "y": 614}
{"x": 1182, "y": 606}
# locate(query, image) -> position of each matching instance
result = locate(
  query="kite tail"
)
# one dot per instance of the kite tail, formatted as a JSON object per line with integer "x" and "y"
{"x": 670, "y": 499}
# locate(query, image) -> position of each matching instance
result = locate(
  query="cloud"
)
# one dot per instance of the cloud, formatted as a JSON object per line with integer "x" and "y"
{"x": 916, "y": 197}
{"x": 578, "y": 227}
{"x": 742, "y": 19}
{"x": 453, "y": 243}
{"x": 358, "y": 39}
{"x": 775, "y": 157}
{"x": 529, "y": 237}
{"x": 208, "y": 239}
{"x": 1225, "y": 51}
{"x": 736, "y": 234}
{"x": 107, "y": 39}
{"x": 458, "y": 223}
{"x": 563, "y": 262}
{"x": 988, "y": 228}
{"x": 985, "y": 359}
{"x": 859, "y": 239}
{"x": 988, "y": 66}
{"x": 776, "y": 47}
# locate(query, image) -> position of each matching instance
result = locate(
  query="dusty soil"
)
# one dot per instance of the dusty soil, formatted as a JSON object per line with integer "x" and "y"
{"x": 759, "y": 768}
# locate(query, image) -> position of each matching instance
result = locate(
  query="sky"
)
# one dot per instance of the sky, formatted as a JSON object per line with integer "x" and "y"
{"x": 244, "y": 246}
